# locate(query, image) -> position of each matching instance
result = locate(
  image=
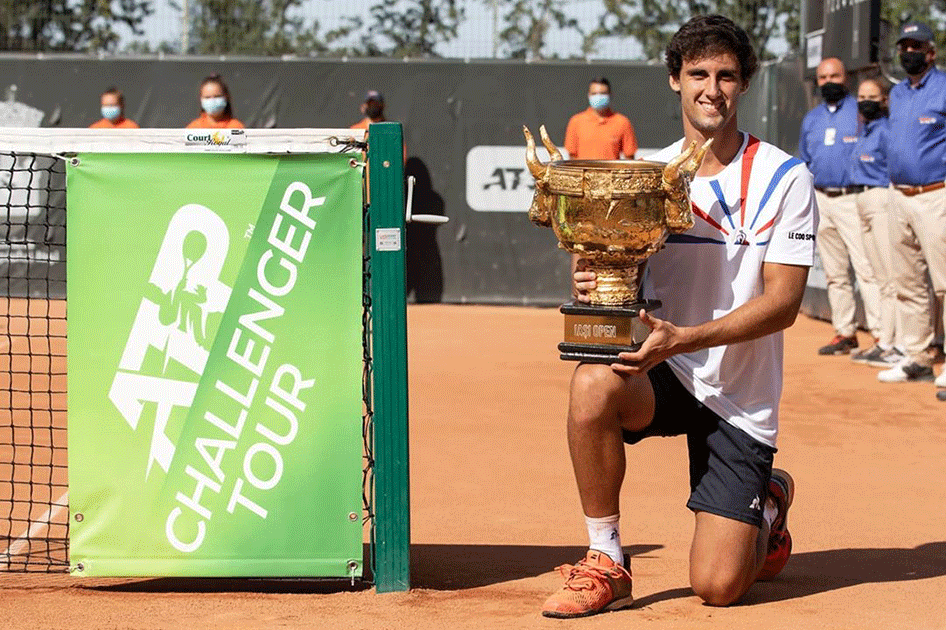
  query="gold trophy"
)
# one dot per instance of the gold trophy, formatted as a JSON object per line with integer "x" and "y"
{"x": 615, "y": 214}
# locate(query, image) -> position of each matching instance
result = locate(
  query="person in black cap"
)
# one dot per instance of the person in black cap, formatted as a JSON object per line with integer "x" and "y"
{"x": 916, "y": 159}
{"x": 372, "y": 108}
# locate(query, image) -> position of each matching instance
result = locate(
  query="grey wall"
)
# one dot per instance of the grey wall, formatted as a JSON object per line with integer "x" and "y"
{"x": 447, "y": 108}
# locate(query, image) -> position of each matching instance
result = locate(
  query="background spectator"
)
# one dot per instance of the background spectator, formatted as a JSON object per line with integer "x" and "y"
{"x": 216, "y": 106}
{"x": 871, "y": 181}
{"x": 600, "y": 133}
{"x": 917, "y": 159}
{"x": 828, "y": 134}
{"x": 113, "y": 112}
{"x": 372, "y": 108}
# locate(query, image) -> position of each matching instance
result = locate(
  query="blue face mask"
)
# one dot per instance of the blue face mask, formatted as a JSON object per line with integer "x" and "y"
{"x": 599, "y": 101}
{"x": 213, "y": 105}
{"x": 111, "y": 112}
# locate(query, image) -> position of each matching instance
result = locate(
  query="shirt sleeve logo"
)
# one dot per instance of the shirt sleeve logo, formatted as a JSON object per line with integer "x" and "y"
{"x": 800, "y": 236}
{"x": 927, "y": 120}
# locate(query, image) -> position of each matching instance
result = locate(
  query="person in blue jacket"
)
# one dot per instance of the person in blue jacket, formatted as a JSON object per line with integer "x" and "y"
{"x": 828, "y": 134}
{"x": 871, "y": 182}
{"x": 917, "y": 162}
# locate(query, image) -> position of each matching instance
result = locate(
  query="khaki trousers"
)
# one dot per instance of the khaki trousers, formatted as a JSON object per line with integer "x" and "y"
{"x": 918, "y": 237}
{"x": 841, "y": 246}
{"x": 872, "y": 209}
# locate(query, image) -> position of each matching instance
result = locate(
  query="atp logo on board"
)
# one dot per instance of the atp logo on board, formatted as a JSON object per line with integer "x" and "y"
{"x": 183, "y": 293}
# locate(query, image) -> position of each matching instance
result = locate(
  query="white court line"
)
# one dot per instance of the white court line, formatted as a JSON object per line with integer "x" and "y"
{"x": 62, "y": 503}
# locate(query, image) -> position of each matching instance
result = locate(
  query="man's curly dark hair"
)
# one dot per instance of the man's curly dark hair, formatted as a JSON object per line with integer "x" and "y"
{"x": 708, "y": 36}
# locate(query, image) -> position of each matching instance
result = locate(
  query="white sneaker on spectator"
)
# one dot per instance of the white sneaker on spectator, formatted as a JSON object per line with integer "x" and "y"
{"x": 941, "y": 379}
{"x": 906, "y": 371}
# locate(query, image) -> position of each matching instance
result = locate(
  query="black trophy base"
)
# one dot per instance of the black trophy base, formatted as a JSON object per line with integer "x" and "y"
{"x": 597, "y": 334}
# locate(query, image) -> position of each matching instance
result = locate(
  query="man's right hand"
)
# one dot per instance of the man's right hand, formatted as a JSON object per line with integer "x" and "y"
{"x": 584, "y": 281}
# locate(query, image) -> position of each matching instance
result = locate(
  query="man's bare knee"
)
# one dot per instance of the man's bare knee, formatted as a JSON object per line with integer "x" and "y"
{"x": 598, "y": 393}
{"x": 593, "y": 379}
{"x": 594, "y": 395}
{"x": 718, "y": 589}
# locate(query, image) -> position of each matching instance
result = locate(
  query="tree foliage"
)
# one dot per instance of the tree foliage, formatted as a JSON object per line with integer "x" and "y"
{"x": 246, "y": 27}
{"x": 402, "y": 28}
{"x": 527, "y": 24}
{"x": 653, "y": 22}
{"x": 897, "y": 12}
{"x": 69, "y": 25}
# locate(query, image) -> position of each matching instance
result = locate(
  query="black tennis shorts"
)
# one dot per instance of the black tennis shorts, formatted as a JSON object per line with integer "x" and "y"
{"x": 729, "y": 469}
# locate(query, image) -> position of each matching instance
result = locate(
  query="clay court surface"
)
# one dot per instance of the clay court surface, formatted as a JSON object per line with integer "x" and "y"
{"x": 494, "y": 507}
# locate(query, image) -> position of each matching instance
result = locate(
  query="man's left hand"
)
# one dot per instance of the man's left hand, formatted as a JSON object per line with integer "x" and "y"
{"x": 664, "y": 341}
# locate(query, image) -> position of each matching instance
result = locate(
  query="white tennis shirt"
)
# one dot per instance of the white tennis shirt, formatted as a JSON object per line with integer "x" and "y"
{"x": 760, "y": 208}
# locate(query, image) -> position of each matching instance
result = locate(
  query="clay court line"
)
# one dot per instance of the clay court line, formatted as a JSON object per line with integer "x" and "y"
{"x": 38, "y": 526}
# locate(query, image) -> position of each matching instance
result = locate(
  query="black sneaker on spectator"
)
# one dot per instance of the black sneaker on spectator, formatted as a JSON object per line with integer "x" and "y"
{"x": 838, "y": 345}
{"x": 888, "y": 358}
{"x": 935, "y": 352}
{"x": 867, "y": 355}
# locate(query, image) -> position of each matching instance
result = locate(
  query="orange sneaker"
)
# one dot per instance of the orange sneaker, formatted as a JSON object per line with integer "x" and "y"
{"x": 596, "y": 584}
{"x": 782, "y": 491}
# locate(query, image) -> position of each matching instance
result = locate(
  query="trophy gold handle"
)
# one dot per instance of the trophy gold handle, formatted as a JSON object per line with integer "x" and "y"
{"x": 676, "y": 185}
{"x": 554, "y": 153}
{"x": 540, "y": 210}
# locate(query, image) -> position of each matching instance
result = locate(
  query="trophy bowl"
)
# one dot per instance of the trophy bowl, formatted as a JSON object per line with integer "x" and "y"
{"x": 615, "y": 214}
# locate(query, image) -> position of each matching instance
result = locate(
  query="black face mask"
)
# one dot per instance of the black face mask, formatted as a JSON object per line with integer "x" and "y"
{"x": 833, "y": 92}
{"x": 373, "y": 110}
{"x": 914, "y": 62}
{"x": 870, "y": 110}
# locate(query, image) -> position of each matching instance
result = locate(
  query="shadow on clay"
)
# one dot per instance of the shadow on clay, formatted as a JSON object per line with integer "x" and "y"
{"x": 436, "y": 567}
{"x": 455, "y": 567}
{"x": 813, "y": 572}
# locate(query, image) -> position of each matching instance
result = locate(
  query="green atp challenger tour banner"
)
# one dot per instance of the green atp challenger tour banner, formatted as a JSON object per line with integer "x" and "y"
{"x": 215, "y": 365}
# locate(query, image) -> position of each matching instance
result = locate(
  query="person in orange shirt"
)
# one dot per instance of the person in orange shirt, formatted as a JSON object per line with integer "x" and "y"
{"x": 113, "y": 112}
{"x": 372, "y": 108}
{"x": 600, "y": 133}
{"x": 216, "y": 106}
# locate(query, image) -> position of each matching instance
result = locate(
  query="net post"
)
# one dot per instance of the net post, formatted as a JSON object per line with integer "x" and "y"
{"x": 389, "y": 341}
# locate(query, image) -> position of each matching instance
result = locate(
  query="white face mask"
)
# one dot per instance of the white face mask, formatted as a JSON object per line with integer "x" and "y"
{"x": 213, "y": 105}
{"x": 111, "y": 112}
{"x": 599, "y": 101}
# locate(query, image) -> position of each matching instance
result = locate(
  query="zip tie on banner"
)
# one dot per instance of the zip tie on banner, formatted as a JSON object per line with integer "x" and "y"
{"x": 347, "y": 144}
{"x": 355, "y": 163}
{"x": 67, "y": 158}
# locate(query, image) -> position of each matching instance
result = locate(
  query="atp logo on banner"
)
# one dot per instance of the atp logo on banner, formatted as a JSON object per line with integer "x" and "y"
{"x": 186, "y": 292}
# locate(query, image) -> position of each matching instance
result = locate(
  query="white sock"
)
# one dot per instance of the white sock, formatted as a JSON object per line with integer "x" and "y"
{"x": 770, "y": 512}
{"x": 604, "y": 535}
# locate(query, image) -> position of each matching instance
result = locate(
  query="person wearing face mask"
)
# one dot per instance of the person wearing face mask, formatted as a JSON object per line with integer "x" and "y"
{"x": 871, "y": 181}
{"x": 113, "y": 112}
{"x": 917, "y": 163}
{"x": 216, "y": 106}
{"x": 828, "y": 135}
{"x": 372, "y": 108}
{"x": 600, "y": 133}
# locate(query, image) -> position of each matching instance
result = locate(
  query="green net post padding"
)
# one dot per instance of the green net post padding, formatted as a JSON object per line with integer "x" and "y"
{"x": 386, "y": 236}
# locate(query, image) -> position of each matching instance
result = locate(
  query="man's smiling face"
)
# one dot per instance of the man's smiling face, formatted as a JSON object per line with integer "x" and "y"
{"x": 709, "y": 90}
